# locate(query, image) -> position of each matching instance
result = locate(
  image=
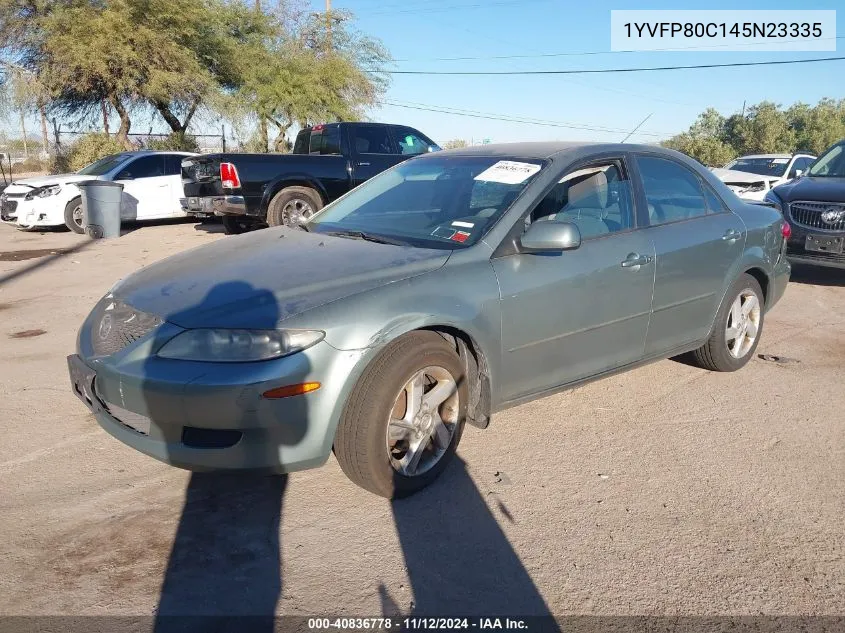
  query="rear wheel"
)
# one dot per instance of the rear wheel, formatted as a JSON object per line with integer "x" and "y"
{"x": 235, "y": 224}
{"x": 73, "y": 216}
{"x": 404, "y": 418}
{"x": 739, "y": 325}
{"x": 293, "y": 205}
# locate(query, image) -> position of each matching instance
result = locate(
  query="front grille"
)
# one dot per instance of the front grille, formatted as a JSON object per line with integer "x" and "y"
{"x": 118, "y": 325}
{"x": 818, "y": 215}
{"x": 7, "y": 208}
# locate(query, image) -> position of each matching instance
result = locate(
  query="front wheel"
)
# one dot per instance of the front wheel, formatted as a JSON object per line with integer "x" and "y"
{"x": 73, "y": 216}
{"x": 739, "y": 324}
{"x": 405, "y": 416}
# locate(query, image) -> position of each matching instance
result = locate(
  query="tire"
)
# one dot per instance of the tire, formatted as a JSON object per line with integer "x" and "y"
{"x": 74, "y": 208}
{"x": 290, "y": 202}
{"x": 363, "y": 441}
{"x": 235, "y": 225}
{"x": 716, "y": 354}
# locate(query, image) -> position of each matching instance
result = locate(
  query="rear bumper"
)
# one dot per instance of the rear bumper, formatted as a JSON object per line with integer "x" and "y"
{"x": 780, "y": 279}
{"x": 215, "y": 205}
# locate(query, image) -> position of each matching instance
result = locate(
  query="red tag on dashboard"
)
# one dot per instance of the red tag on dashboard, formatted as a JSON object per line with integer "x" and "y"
{"x": 460, "y": 236}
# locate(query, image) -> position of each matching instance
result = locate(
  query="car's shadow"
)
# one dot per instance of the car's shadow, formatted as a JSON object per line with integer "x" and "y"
{"x": 817, "y": 275}
{"x": 209, "y": 225}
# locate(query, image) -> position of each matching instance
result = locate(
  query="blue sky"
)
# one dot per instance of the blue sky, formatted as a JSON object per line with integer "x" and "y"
{"x": 420, "y": 30}
{"x": 417, "y": 32}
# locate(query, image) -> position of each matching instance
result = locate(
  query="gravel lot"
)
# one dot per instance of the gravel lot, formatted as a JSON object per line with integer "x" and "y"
{"x": 664, "y": 491}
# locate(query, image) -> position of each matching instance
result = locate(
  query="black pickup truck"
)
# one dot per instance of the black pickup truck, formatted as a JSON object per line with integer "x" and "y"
{"x": 250, "y": 191}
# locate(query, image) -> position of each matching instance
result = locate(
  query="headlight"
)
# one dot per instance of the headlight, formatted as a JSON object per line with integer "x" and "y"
{"x": 238, "y": 346}
{"x": 772, "y": 197}
{"x": 43, "y": 192}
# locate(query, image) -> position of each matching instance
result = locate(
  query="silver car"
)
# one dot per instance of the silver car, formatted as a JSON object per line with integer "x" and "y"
{"x": 452, "y": 286}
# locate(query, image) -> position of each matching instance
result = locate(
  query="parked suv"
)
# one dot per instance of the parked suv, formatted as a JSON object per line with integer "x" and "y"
{"x": 814, "y": 206}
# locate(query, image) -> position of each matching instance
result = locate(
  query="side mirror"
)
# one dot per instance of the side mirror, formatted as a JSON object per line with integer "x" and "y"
{"x": 799, "y": 173}
{"x": 550, "y": 236}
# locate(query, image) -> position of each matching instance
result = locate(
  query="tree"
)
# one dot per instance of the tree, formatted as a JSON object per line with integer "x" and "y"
{"x": 298, "y": 75}
{"x": 765, "y": 128}
{"x": 455, "y": 143}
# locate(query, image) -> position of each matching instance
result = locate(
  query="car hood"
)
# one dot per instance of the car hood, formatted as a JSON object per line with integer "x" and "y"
{"x": 261, "y": 278}
{"x": 822, "y": 189}
{"x": 26, "y": 185}
{"x": 741, "y": 177}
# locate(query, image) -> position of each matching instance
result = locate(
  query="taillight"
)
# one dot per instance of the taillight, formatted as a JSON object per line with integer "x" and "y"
{"x": 229, "y": 176}
{"x": 786, "y": 230}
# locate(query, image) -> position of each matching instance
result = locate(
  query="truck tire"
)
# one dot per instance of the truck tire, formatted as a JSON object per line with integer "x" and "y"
{"x": 292, "y": 203}
{"x": 404, "y": 417}
{"x": 236, "y": 224}
{"x": 73, "y": 215}
{"x": 739, "y": 325}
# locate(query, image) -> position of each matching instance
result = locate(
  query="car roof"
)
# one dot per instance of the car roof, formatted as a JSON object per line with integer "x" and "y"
{"x": 544, "y": 150}
{"x": 765, "y": 156}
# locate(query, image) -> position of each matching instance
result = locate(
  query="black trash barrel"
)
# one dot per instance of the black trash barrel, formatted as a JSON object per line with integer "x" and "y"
{"x": 101, "y": 207}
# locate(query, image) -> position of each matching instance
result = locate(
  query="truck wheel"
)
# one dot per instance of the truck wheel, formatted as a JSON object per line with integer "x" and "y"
{"x": 404, "y": 417}
{"x": 73, "y": 216}
{"x": 235, "y": 225}
{"x": 292, "y": 205}
{"x": 739, "y": 324}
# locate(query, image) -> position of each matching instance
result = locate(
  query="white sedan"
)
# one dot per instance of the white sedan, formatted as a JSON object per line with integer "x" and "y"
{"x": 152, "y": 189}
{"x": 751, "y": 177}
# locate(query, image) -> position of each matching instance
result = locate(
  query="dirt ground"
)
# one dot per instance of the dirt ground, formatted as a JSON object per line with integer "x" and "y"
{"x": 664, "y": 491}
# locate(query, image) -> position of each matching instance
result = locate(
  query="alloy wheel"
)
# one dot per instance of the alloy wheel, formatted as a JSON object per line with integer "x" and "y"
{"x": 743, "y": 323}
{"x": 423, "y": 421}
{"x": 296, "y": 211}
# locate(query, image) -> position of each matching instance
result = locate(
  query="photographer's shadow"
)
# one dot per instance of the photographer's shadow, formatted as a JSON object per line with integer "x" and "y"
{"x": 224, "y": 569}
{"x": 459, "y": 560}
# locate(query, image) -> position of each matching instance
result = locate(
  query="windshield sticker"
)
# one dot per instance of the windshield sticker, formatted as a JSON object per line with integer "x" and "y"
{"x": 444, "y": 231}
{"x": 466, "y": 225}
{"x": 460, "y": 236}
{"x": 508, "y": 172}
{"x": 780, "y": 161}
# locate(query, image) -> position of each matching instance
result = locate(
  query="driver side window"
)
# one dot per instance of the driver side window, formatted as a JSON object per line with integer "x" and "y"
{"x": 596, "y": 198}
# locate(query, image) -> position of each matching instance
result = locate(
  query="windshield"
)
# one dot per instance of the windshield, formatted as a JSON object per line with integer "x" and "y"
{"x": 104, "y": 165}
{"x": 831, "y": 163}
{"x": 761, "y": 166}
{"x": 442, "y": 202}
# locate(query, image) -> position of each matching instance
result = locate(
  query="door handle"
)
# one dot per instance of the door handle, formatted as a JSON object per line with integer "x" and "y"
{"x": 635, "y": 259}
{"x": 363, "y": 164}
{"x": 731, "y": 235}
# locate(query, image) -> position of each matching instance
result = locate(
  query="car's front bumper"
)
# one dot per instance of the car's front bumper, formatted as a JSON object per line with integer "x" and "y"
{"x": 798, "y": 254}
{"x": 34, "y": 213}
{"x": 212, "y": 416}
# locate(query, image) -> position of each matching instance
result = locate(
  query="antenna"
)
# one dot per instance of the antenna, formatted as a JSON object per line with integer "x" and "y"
{"x": 631, "y": 133}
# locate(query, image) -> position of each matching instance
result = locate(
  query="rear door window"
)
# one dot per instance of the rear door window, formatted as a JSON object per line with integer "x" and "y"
{"x": 301, "y": 144}
{"x": 144, "y": 167}
{"x": 331, "y": 140}
{"x": 673, "y": 192}
{"x": 173, "y": 164}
